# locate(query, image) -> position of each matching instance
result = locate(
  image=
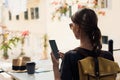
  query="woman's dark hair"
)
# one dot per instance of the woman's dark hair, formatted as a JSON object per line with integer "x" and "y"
{"x": 87, "y": 20}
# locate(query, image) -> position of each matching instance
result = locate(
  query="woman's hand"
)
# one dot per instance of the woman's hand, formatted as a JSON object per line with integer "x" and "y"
{"x": 56, "y": 65}
{"x": 54, "y": 60}
{"x": 61, "y": 55}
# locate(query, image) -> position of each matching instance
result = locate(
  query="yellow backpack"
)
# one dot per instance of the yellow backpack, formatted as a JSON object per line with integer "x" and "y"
{"x": 91, "y": 68}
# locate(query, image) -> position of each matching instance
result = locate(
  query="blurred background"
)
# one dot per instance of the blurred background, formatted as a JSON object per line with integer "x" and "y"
{"x": 27, "y": 25}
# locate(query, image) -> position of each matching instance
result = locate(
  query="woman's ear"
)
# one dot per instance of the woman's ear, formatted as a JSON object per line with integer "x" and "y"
{"x": 78, "y": 30}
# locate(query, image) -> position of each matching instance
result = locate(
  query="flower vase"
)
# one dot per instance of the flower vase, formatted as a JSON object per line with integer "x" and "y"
{"x": 23, "y": 36}
{"x": 22, "y": 52}
{"x": 45, "y": 46}
{"x": 5, "y": 54}
{"x": 22, "y": 47}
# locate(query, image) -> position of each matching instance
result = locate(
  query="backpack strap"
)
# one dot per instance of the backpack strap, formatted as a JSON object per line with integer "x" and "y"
{"x": 97, "y": 73}
{"x": 95, "y": 57}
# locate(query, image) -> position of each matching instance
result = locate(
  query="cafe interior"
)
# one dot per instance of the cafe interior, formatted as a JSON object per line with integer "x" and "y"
{"x": 26, "y": 26}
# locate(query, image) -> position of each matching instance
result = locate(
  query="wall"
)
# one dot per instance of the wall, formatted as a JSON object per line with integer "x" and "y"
{"x": 34, "y": 25}
{"x": 110, "y": 26}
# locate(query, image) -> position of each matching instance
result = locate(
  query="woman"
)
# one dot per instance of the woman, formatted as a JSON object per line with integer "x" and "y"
{"x": 84, "y": 26}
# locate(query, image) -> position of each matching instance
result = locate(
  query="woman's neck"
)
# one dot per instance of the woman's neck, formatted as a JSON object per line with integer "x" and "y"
{"x": 86, "y": 44}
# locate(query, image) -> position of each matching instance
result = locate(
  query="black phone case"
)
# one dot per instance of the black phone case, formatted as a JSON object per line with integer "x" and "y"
{"x": 54, "y": 48}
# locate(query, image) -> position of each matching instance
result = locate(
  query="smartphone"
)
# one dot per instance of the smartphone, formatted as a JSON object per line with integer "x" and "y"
{"x": 54, "y": 48}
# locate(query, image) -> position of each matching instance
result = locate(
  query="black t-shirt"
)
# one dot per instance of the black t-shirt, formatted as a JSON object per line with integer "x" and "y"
{"x": 69, "y": 66}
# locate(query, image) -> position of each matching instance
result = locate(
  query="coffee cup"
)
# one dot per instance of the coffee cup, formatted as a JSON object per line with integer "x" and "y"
{"x": 30, "y": 66}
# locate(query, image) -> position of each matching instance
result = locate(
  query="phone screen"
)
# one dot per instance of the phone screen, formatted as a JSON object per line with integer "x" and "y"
{"x": 54, "y": 48}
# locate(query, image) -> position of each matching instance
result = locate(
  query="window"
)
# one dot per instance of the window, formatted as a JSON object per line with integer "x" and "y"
{"x": 17, "y": 17}
{"x": 26, "y": 15}
{"x": 36, "y": 12}
{"x": 104, "y": 4}
{"x": 10, "y": 16}
{"x": 32, "y": 13}
{"x": 70, "y": 11}
{"x": 105, "y": 39}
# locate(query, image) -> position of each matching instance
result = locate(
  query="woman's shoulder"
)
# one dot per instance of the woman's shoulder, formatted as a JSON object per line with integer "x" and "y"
{"x": 107, "y": 55}
{"x": 84, "y": 52}
{"x": 72, "y": 51}
{"x": 105, "y": 52}
{"x": 81, "y": 53}
{"x": 77, "y": 52}
{"x": 73, "y": 56}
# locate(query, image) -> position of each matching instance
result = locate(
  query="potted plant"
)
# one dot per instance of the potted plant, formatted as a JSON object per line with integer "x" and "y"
{"x": 6, "y": 45}
{"x": 24, "y": 34}
{"x": 45, "y": 46}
